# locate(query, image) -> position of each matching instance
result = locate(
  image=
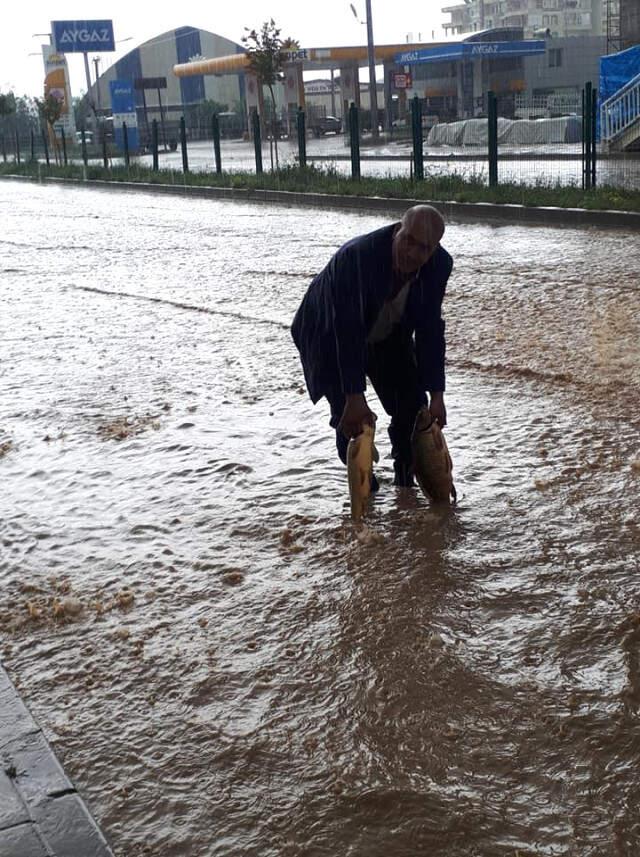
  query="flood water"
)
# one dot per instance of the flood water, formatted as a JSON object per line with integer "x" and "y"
{"x": 223, "y": 663}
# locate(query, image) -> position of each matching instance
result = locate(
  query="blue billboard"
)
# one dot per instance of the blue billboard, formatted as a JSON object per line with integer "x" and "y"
{"x": 123, "y": 108}
{"x": 82, "y": 36}
{"x": 472, "y": 50}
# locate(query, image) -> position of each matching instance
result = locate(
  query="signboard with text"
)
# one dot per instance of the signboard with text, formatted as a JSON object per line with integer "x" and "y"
{"x": 401, "y": 80}
{"x": 123, "y": 107}
{"x": 83, "y": 36}
{"x": 150, "y": 83}
{"x": 472, "y": 50}
{"x": 295, "y": 56}
{"x": 56, "y": 83}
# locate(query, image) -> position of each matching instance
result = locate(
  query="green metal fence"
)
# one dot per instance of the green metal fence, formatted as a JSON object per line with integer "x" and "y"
{"x": 539, "y": 143}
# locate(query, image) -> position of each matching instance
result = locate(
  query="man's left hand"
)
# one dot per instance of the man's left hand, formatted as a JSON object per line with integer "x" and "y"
{"x": 437, "y": 409}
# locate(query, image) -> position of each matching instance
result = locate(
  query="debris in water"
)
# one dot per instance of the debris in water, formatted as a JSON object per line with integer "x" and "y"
{"x": 286, "y": 537}
{"x": 233, "y": 578}
{"x": 288, "y": 541}
{"x": 124, "y": 598}
{"x": 66, "y": 608}
{"x": 35, "y": 612}
{"x": 121, "y": 428}
{"x": 29, "y": 587}
{"x": 367, "y": 536}
{"x": 435, "y": 641}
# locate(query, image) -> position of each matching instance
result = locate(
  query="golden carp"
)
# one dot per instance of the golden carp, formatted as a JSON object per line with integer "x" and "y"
{"x": 432, "y": 463}
{"x": 361, "y": 453}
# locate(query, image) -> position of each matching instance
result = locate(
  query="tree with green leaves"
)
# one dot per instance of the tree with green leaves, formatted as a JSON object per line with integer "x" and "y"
{"x": 265, "y": 52}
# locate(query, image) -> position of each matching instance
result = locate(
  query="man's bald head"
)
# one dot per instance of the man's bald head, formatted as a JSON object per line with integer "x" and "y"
{"x": 417, "y": 238}
{"x": 425, "y": 218}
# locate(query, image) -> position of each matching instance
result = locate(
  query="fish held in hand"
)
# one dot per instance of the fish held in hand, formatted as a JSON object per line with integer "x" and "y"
{"x": 432, "y": 463}
{"x": 361, "y": 453}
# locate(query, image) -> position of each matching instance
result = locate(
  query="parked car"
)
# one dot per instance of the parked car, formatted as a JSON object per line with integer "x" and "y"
{"x": 326, "y": 125}
{"x": 88, "y": 137}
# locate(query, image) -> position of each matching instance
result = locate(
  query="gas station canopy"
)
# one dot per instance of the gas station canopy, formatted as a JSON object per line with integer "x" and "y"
{"x": 472, "y": 50}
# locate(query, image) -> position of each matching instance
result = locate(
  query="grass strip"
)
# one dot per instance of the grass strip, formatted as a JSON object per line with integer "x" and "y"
{"x": 313, "y": 179}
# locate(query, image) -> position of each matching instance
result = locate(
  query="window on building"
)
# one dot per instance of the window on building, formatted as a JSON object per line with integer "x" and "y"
{"x": 555, "y": 57}
{"x": 545, "y": 20}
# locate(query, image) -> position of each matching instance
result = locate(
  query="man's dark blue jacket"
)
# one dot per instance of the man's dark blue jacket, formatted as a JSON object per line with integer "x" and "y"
{"x": 343, "y": 302}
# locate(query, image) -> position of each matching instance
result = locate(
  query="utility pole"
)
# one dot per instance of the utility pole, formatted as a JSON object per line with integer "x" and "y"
{"x": 96, "y": 62}
{"x": 92, "y": 115}
{"x": 373, "y": 89}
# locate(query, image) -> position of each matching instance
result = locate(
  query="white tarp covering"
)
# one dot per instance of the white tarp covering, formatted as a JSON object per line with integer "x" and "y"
{"x": 523, "y": 132}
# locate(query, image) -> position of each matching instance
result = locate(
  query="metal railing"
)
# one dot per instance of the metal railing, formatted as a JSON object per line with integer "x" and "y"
{"x": 620, "y": 111}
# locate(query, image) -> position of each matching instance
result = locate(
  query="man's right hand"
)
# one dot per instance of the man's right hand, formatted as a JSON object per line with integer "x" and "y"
{"x": 355, "y": 414}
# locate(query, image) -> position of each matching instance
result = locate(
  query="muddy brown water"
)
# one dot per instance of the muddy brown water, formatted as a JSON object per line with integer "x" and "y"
{"x": 223, "y": 665}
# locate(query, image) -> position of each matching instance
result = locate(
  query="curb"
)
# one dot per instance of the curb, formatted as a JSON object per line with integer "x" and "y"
{"x": 41, "y": 813}
{"x": 482, "y": 211}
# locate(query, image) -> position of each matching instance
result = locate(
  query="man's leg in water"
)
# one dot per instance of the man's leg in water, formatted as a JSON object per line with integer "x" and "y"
{"x": 393, "y": 371}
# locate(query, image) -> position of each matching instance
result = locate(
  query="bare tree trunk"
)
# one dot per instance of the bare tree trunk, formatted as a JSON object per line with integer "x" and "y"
{"x": 53, "y": 142}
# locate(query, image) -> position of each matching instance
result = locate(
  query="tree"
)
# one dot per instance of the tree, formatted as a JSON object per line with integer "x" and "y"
{"x": 50, "y": 110}
{"x": 265, "y": 51}
{"x": 199, "y": 115}
{"x": 7, "y": 104}
{"x": 7, "y": 107}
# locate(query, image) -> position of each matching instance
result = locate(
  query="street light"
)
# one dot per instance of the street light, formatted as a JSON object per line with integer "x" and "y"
{"x": 373, "y": 90}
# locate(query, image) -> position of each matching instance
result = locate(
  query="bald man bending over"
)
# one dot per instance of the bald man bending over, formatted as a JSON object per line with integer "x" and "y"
{"x": 375, "y": 311}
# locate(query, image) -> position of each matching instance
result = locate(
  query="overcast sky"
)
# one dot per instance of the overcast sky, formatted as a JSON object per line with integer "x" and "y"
{"x": 320, "y": 24}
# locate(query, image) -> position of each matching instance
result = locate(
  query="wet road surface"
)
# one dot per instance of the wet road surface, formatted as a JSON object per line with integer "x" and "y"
{"x": 223, "y": 664}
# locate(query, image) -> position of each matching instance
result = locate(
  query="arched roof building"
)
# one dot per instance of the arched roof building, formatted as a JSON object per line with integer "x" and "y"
{"x": 157, "y": 57}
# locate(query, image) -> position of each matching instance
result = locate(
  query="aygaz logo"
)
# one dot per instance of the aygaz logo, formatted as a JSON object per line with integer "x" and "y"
{"x": 82, "y": 36}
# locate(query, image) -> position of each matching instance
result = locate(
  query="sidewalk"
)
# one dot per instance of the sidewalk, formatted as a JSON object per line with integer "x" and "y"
{"x": 41, "y": 813}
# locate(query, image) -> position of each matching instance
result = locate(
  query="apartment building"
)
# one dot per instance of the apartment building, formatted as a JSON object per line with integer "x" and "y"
{"x": 559, "y": 18}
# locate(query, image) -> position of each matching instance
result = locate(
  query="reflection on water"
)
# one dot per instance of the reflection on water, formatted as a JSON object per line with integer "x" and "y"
{"x": 223, "y": 665}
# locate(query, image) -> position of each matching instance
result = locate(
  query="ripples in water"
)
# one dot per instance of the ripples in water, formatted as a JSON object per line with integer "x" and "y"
{"x": 195, "y": 621}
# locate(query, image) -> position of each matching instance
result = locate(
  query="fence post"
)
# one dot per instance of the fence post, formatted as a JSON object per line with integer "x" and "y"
{"x": 105, "y": 157}
{"x": 416, "y": 128}
{"x": 83, "y": 138}
{"x": 215, "y": 131}
{"x": 586, "y": 136}
{"x": 64, "y": 146}
{"x": 154, "y": 144}
{"x": 594, "y": 116}
{"x": 183, "y": 145}
{"x": 125, "y": 143}
{"x": 301, "y": 125}
{"x": 302, "y": 137}
{"x": 492, "y": 105}
{"x": 257, "y": 140}
{"x": 46, "y": 146}
{"x": 33, "y": 145}
{"x": 4, "y": 150}
{"x": 354, "y": 141}
{"x": 17, "y": 148}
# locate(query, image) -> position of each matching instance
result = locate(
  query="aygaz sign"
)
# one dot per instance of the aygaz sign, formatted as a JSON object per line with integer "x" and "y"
{"x": 83, "y": 36}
